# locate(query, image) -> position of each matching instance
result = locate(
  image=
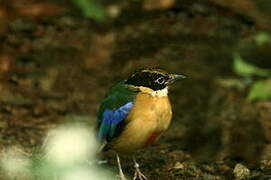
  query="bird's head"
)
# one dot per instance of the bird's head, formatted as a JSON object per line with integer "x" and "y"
{"x": 153, "y": 78}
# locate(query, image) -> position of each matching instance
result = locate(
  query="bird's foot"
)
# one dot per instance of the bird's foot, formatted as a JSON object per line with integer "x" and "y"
{"x": 121, "y": 174}
{"x": 138, "y": 174}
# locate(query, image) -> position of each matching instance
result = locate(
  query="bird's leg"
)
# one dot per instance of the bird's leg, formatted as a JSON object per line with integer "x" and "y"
{"x": 138, "y": 173}
{"x": 122, "y": 176}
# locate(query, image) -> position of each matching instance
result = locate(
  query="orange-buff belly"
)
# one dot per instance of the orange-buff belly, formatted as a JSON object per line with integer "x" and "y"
{"x": 148, "y": 119}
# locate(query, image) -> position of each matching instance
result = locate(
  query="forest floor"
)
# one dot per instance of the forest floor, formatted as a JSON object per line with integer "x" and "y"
{"x": 55, "y": 69}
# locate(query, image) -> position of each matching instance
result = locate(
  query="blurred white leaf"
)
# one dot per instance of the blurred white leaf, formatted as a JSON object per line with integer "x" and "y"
{"x": 70, "y": 154}
{"x": 87, "y": 174}
{"x": 70, "y": 144}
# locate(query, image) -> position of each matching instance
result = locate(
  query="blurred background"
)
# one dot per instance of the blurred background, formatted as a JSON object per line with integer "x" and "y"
{"x": 58, "y": 58}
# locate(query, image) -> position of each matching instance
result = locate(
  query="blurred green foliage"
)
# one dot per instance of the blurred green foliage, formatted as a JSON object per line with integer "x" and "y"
{"x": 262, "y": 38}
{"x": 91, "y": 9}
{"x": 260, "y": 89}
{"x": 243, "y": 68}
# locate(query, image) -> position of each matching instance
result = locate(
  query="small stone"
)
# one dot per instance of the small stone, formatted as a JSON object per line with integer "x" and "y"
{"x": 178, "y": 165}
{"x": 241, "y": 172}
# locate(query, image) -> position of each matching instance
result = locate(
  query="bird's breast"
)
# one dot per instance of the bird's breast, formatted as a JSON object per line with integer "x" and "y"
{"x": 148, "y": 119}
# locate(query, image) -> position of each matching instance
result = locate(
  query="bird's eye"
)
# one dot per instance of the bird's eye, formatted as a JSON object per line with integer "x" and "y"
{"x": 160, "y": 80}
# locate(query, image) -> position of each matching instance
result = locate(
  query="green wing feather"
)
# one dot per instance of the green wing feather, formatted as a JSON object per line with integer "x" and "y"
{"x": 119, "y": 95}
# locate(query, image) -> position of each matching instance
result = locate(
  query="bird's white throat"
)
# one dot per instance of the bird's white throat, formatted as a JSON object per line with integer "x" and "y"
{"x": 160, "y": 93}
{"x": 157, "y": 93}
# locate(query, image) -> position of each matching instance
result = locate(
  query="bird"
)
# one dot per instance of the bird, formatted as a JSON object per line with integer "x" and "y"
{"x": 135, "y": 112}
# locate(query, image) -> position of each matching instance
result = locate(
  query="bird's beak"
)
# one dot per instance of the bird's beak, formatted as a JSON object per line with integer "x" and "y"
{"x": 174, "y": 77}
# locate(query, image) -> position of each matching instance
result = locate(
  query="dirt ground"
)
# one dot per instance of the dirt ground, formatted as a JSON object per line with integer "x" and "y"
{"x": 57, "y": 65}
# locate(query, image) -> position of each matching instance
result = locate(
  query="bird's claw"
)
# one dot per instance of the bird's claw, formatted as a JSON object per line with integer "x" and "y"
{"x": 138, "y": 174}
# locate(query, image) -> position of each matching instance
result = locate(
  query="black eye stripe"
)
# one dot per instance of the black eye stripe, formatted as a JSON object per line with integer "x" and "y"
{"x": 148, "y": 79}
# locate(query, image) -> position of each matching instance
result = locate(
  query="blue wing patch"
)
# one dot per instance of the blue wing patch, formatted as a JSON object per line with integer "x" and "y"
{"x": 111, "y": 119}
